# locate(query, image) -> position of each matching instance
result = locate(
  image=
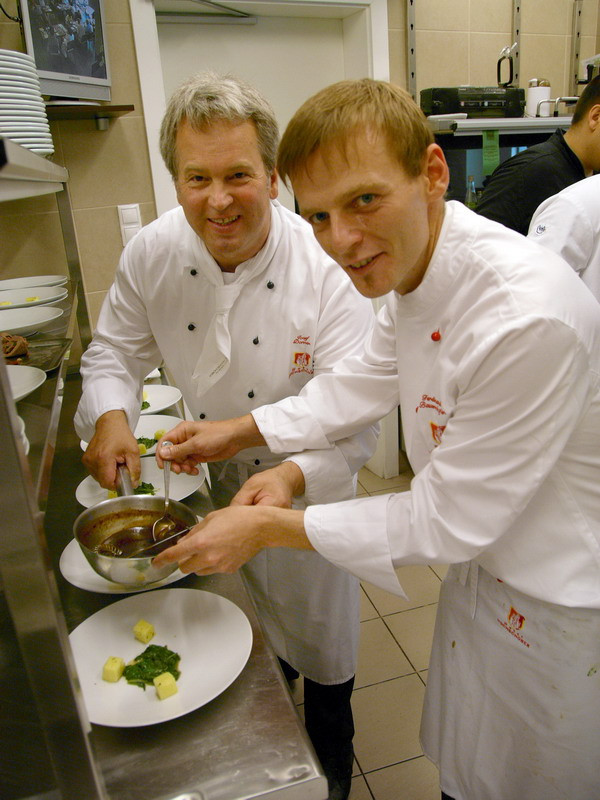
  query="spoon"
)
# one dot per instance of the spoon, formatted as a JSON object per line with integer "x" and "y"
{"x": 147, "y": 547}
{"x": 165, "y": 523}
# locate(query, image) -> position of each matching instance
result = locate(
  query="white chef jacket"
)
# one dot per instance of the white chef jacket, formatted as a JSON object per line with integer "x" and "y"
{"x": 495, "y": 361}
{"x": 569, "y": 224}
{"x": 295, "y": 319}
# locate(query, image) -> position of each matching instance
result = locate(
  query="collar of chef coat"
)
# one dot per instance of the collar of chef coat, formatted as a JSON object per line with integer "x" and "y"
{"x": 215, "y": 357}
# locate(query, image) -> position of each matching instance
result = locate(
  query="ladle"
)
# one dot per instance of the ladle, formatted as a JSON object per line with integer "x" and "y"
{"x": 164, "y": 524}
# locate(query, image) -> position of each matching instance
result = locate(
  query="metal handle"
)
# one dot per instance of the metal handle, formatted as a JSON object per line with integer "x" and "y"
{"x": 167, "y": 476}
{"x": 124, "y": 484}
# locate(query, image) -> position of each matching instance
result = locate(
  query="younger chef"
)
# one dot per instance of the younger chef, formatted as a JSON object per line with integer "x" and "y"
{"x": 490, "y": 344}
{"x": 233, "y": 292}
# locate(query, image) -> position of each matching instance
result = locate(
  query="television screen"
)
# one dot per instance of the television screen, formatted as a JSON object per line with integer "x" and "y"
{"x": 67, "y": 41}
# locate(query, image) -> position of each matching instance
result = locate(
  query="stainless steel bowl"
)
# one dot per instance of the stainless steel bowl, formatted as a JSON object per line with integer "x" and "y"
{"x": 94, "y": 525}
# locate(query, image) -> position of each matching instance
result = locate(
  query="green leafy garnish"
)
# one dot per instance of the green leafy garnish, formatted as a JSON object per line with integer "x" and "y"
{"x": 145, "y": 405}
{"x": 155, "y": 660}
{"x": 145, "y": 488}
{"x": 148, "y": 443}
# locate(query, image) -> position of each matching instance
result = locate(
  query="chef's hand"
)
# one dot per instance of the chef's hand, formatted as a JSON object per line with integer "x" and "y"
{"x": 112, "y": 444}
{"x": 228, "y": 538}
{"x": 197, "y": 442}
{"x": 273, "y": 487}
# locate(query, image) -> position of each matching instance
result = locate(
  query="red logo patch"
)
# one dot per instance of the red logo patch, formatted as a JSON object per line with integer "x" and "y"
{"x": 514, "y": 624}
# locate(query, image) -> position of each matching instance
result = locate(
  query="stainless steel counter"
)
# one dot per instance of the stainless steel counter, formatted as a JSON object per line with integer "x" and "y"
{"x": 247, "y": 743}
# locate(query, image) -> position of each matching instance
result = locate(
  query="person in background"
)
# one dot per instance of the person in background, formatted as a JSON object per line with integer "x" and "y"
{"x": 490, "y": 344}
{"x": 569, "y": 224}
{"x": 518, "y": 185}
{"x": 233, "y": 292}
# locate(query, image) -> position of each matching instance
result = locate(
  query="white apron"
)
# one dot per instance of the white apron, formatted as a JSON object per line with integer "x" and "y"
{"x": 315, "y": 631}
{"x": 512, "y": 708}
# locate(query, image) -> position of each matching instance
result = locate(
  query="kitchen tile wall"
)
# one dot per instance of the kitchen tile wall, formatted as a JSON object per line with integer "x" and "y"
{"x": 456, "y": 43}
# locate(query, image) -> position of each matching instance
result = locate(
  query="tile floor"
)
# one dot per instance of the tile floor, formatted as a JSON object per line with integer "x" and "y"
{"x": 390, "y": 679}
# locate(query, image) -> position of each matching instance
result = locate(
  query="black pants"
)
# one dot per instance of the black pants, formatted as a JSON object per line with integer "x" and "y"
{"x": 329, "y": 724}
{"x": 446, "y": 797}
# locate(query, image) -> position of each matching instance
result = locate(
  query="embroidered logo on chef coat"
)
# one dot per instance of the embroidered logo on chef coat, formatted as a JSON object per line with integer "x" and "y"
{"x": 436, "y": 432}
{"x": 301, "y": 360}
{"x": 514, "y": 624}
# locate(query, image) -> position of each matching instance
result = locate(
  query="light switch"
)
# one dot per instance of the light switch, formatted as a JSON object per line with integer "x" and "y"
{"x": 130, "y": 221}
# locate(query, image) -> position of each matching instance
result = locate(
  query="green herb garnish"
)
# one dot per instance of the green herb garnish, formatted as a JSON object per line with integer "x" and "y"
{"x": 145, "y": 405}
{"x": 145, "y": 488}
{"x": 155, "y": 660}
{"x": 148, "y": 443}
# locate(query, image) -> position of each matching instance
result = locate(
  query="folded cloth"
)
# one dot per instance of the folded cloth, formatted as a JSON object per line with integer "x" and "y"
{"x": 13, "y": 346}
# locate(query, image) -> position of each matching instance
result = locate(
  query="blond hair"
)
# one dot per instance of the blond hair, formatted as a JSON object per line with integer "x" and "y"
{"x": 208, "y": 97}
{"x": 336, "y": 113}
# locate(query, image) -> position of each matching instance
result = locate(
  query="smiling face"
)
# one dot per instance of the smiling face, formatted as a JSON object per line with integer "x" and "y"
{"x": 224, "y": 189}
{"x": 378, "y": 223}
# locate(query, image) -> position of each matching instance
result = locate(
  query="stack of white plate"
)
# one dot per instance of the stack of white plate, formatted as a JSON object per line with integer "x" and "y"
{"x": 22, "y": 111}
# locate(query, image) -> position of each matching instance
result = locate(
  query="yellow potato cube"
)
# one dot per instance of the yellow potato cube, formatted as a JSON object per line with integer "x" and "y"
{"x": 143, "y": 631}
{"x": 111, "y": 493}
{"x": 142, "y": 448}
{"x": 6, "y": 303}
{"x": 144, "y": 394}
{"x": 159, "y": 433}
{"x": 165, "y": 685}
{"x": 32, "y": 299}
{"x": 113, "y": 669}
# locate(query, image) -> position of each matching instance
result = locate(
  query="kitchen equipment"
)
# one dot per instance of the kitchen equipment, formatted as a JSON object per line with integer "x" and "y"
{"x": 166, "y": 523}
{"x": 538, "y": 92}
{"x": 97, "y": 523}
{"x": 506, "y": 55}
{"x": 475, "y": 101}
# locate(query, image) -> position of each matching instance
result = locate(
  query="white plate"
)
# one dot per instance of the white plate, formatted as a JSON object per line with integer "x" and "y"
{"x": 147, "y": 426}
{"x": 33, "y": 280}
{"x": 25, "y": 321}
{"x": 17, "y": 298}
{"x": 160, "y": 397}
{"x": 25, "y": 380}
{"x": 23, "y": 113}
{"x": 75, "y": 569}
{"x": 211, "y": 634}
{"x": 89, "y": 492}
{"x": 154, "y": 374}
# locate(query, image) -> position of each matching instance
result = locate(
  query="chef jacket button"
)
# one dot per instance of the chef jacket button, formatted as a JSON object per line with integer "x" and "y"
{"x": 257, "y": 461}
{"x": 270, "y": 285}
{"x": 251, "y": 393}
{"x": 191, "y": 327}
{"x": 255, "y": 340}
{"x": 201, "y": 416}
{"x": 193, "y": 272}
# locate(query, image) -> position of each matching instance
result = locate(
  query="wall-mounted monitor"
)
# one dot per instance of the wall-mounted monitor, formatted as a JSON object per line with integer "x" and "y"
{"x": 68, "y": 43}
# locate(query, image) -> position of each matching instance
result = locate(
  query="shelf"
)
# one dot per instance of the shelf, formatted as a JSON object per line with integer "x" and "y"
{"x": 25, "y": 174}
{"x": 57, "y": 112}
{"x": 454, "y": 124}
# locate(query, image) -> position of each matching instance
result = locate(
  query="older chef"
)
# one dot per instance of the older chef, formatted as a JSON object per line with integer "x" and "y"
{"x": 234, "y": 293}
{"x": 491, "y": 346}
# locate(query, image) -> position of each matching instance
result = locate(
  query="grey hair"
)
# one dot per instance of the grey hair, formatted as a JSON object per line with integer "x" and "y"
{"x": 207, "y": 97}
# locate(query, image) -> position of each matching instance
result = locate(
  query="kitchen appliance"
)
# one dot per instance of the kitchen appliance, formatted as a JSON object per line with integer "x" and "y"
{"x": 475, "y": 101}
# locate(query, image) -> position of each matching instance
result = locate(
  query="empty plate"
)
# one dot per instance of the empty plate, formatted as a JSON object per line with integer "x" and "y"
{"x": 159, "y": 397}
{"x": 24, "y": 380}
